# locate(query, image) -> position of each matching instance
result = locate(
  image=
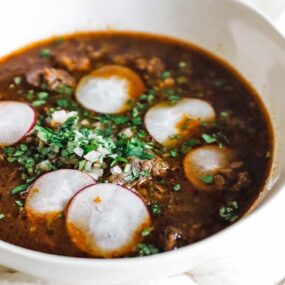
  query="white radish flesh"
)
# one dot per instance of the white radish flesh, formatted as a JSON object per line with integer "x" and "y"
{"x": 206, "y": 161}
{"x": 106, "y": 220}
{"x": 16, "y": 121}
{"x": 165, "y": 121}
{"x": 50, "y": 193}
{"x": 109, "y": 89}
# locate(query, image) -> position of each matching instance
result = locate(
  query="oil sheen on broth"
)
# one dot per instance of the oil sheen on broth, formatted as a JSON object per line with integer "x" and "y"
{"x": 169, "y": 145}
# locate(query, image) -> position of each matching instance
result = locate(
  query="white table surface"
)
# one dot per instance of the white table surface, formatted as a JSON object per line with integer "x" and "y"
{"x": 217, "y": 272}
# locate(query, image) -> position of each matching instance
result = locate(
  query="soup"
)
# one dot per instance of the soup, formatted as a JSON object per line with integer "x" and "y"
{"x": 118, "y": 144}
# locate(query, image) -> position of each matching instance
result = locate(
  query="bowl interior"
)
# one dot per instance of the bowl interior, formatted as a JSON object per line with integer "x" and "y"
{"x": 246, "y": 42}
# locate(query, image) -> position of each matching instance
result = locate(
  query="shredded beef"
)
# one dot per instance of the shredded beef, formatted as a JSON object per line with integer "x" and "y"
{"x": 154, "y": 66}
{"x": 155, "y": 167}
{"x": 54, "y": 78}
{"x": 172, "y": 235}
{"x": 73, "y": 56}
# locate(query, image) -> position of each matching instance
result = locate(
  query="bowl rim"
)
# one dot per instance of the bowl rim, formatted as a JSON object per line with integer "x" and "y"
{"x": 135, "y": 261}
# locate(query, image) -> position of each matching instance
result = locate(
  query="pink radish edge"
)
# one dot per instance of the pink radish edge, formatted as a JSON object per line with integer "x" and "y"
{"x": 64, "y": 169}
{"x": 33, "y": 124}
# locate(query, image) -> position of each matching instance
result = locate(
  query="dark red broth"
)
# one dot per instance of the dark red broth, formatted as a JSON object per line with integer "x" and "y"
{"x": 181, "y": 214}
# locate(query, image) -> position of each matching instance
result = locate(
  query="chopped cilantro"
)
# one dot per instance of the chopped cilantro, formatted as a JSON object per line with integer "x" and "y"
{"x": 130, "y": 178}
{"x": 135, "y": 147}
{"x": 207, "y": 179}
{"x": 141, "y": 134}
{"x": 173, "y": 97}
{"x": 63, "y": 103}
{"x": 173, "y": 153}
{"x": 63, "y": 89}
{"x": 42, "y": 95}
{"x": 38, "y": 103}
{"x": 138, "y": 152}
{"x": 165, "y": 74}
{"x": 23, "y": 147}
{"x": 2, "y": 216}
{"x": 118, "y": 159}
{"x": 146, "y": 249}
{"x": 45, "y": 52}
{"x": 188, "y": 145}
{"x": 182, "y": 64}
{"x": 30, "y": 95}
{"x": 145, "y": 173}
{"x": 228, "y": 212}
{"x": 176, "y": 187}
{"x": 209, "y": 138}
{"x": 148, "y": 97}
{"x": 146, "y": 232}
{"x": 155, "y": 208}
{"x": 20, "y": 205}
{"x": 44, "y": 86}
{"x": 17, "y": 80}
{"x": 19, "y": 189}
{"x": 116, "y": 119}
{"x": 224, "y": 114}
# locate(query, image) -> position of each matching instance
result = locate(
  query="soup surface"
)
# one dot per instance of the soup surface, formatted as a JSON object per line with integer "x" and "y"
{"x": 168, "y": 144}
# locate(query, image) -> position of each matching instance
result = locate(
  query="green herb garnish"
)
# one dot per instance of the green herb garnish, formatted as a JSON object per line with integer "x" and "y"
{"x": 42, "y": 95}
{"x": 30, "y": 95}
{"x": 182, "y": 64}
{"x": 165, "y": 74}
{"x": 146, "y": 232}
{"x": 173, "y": 153}
{"x": 38, "y": 103}
{"x": 146, "y": 249}
{"x": 45, "y": 52}
{"x": 17, "y": 80}
{"x": 209, "y": 138}
{"x": 228, "y": 212}
{"x": 207, "y": 179}
{"x": 63, "y": 103}
{"x": 63, "y": 89}
{"x": 20, "y": 205}
{"x": 19, "y": 189}
{"x": 176, "y": 187}
{"x": 155, "y": 208}
{"x": 173, "y": 97}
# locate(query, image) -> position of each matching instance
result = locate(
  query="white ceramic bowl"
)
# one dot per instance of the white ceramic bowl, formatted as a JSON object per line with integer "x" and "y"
{"x": 229, "y": 29}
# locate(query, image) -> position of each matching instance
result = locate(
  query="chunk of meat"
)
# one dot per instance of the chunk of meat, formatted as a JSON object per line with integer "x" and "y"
{"x": 159, "y": 167}
{"x": 154, "y": 66}
{"x": 219, "y": 182}
{"x": 236, "y": 123}
{"x": 243, "y": 181}
{"x": 232, "y": 178}
{"x": 73, "y": 56}
{"x": 52, "y": 77}
{"x": 143, "y": 170}
{"x": 172, "y": 235}
{"x": 74, "y": 62}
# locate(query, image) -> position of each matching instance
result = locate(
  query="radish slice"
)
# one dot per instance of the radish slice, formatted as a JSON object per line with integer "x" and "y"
{"x": 165, "y": 121}
{"x": 106, "y": 220}
{"x": 206, "y": 161}
{"x": 50, "y": 193}
{"x": 109, "y": 89}
{"x": 17, "y": 120}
